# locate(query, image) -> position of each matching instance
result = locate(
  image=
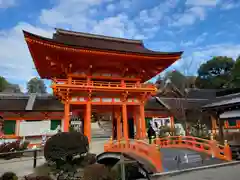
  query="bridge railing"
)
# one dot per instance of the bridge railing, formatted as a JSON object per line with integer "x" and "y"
{"x": 210, "y": 147}
{"x": 137, "y": 147}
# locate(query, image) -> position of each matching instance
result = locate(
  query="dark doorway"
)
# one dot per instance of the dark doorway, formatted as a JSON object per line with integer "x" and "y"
{"x": 131, "y": 128}
{"x": 114, "y": 129}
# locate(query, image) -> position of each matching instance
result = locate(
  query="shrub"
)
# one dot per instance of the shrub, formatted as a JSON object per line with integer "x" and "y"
{"x": 63, "y": 146}
{"x": 98, "y": 172}
{"x": 23, "y": 145}
{"x": 87, "y": 160}
{"x": 37, "y": 178}
{"x": 13, "y": 147}
{"x": 9, "y": 176}
{"x": 165, "y": 131}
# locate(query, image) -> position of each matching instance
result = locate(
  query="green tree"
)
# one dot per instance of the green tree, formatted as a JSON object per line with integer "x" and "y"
{"x": 236, "y": 74}
{"x": 12, "y": 88}
{"x": 215, "y": 73}
{"x": 36, "y": 85}
{"x": 3, "y": 84}
{"x": 177, "y": 81}
{"x": 177, "y": 78}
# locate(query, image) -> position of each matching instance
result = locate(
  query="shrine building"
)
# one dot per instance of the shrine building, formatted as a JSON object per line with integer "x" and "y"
{"x": 95, "y": 73}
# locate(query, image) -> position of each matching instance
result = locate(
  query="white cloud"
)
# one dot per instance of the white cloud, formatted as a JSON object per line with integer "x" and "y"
{"x": 162, "y": 46}
{"x": 118, "y": 26}
{"x": 111, "y": 7}
{"x": 220, "y": 33}
{"x": 230, "y": 4}
{"x": 194, "y": 10}
{"x": 201, "y": 38}
{"x": 126, "y": 3}
{"x": 192, "y": 60}
{"x": 78, "y": 15}
{"x": 189, "y": 16}
{"x": 15, "y": 61}
{"x": 154, "y": 15}
{"x": 72, "y": 13}
{"x": 7, "y": 3}
{"x": 231, "y": 50}
{"x": 209, "y": 3}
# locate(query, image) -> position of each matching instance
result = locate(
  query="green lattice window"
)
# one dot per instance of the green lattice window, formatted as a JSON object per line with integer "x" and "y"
{"x": 147, "y": 121}
{"x": 9, "y": 127}
{"x": 55, "y": 124}
{"x": 232, "y": 122}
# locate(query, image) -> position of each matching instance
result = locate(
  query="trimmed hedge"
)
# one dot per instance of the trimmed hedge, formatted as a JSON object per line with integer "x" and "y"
{"x": 65, "y": 145}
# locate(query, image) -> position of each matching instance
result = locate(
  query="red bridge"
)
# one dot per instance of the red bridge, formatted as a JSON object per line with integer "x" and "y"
{"x": 152, "y": 152}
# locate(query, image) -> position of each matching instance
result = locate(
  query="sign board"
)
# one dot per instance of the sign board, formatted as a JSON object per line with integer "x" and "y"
{"x": 156, "y": 123}
{"x": 76, "y": 123}
{"x": 34, "y": 128}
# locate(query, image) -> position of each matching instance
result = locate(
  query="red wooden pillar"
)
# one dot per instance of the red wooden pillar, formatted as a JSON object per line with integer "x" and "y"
{"x": 119, "y": 129}
{"x": 142, "y": 119}
{"x": 125, "y": 121}
{"x": 66, "y": 121}
{"x": 87, "y": 121}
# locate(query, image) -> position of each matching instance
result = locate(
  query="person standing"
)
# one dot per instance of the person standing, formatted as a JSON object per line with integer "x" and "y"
{"x": 151, "y": 133}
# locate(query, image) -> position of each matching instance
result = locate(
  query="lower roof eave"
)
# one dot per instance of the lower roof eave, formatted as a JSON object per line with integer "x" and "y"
{"x": 225, "y": 106}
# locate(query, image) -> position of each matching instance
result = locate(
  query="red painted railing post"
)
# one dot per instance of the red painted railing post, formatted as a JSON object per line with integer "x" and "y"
{"x": 227, "y": 151}
{"x": 213, "y": 146}
{"x": 157, "y": 141}
{"x": 179, "y": 140}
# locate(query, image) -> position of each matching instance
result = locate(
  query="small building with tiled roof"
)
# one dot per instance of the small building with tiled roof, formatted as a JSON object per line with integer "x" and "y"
{"x": 225, "y": 112}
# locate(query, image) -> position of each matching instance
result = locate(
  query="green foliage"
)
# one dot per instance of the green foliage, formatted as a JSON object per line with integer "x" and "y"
{"x": 175, "y": 82}
{"x": 9, "y": 176}
{"x": 98, "y": 172}
{"x": 236, "y": 74}
{"x": 8, "y": 87}
{"x": 41, "y": 177}
{"x": 13, "y": 146}
{"x": 3, "y": 84}
{"x": 177, "y": 78}
{"x": 165, "y": 131}
{"x": 198, "y": 129}
{"x": 36, "y": 85}
{"x": 62, "y": 147}
{"x": 13, "y": 88}
{"x": 215, "y": 73}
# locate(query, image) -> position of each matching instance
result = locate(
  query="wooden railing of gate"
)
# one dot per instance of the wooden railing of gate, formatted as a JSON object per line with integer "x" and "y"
{"x": 103, "y": 84}
{"x": 139, "y": 148}
{"x": 210, "y": 147}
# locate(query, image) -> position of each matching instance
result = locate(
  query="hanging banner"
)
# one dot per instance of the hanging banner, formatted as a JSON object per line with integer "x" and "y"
{"x": 156, "y": 123}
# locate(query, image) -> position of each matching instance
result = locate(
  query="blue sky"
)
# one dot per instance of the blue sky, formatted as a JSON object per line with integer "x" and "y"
{"x": 200, "y": 28}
